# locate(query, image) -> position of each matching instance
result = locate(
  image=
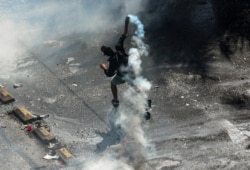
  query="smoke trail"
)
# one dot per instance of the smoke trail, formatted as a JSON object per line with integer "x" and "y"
{"x": 135, "y": 55}
{"x": 131, "y": 114}
{"x": 131, "y": 153}
{"x": 140, "y": 28}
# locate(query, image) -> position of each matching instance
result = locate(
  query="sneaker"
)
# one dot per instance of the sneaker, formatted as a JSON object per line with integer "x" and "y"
{"x": 148, "y": 106}
{"x": 115, "y": 103}
{"x": 147, "y": 115}
{"x": 149, "y": 101}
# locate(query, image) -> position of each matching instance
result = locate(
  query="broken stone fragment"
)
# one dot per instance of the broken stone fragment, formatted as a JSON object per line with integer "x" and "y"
{"x": 39, "y": 117}
{"x": 55, "y": 145}
{"x": 74, "y": 84}
{"x": 17, "y": 85}
{"x": 49, "y": 157}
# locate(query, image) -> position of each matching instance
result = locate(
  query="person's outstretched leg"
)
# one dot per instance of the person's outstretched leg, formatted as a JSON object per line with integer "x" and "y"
{"x": 115, "y": 100}
{"x": 114, "y": 91}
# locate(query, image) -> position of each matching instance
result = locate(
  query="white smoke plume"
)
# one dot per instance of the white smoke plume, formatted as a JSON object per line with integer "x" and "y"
{"x": 131, "y": 115}
{"x": 25, "y": 24}
{"x": 131, "y": 153}
{"x": 135, "y": 59}
{"x": 107, "y": 163}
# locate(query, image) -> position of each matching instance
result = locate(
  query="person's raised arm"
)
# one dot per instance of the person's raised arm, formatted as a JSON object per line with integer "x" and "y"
{"x": 126, "y": 26}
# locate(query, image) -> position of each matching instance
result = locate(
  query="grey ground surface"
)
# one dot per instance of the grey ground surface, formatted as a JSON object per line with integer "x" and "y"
{"x": 200, "y": 93}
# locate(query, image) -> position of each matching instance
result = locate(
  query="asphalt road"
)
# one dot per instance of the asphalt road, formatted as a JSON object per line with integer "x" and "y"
{"x": 200, "y": 92}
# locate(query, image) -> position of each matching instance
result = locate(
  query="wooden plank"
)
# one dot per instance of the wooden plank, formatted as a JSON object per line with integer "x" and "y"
{"x": 43, "y": 134}
{"x": 5, "y": 96}
{"x": 24, "y": 115}
{"x": 64, "y": 154}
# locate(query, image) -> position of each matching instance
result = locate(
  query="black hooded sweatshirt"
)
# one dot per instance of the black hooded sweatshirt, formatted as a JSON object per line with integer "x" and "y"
{"x": 118, "y": 61}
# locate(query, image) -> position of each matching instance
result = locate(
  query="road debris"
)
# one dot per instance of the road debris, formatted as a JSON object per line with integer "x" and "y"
{"x": 50, "y": 157}
{"x": 5, "y": 96}
{"x": 156, "y": 87}
{"x": 74, "y": 84}
{"x": 29, "y": 128}
{"x": 17, "y": 85}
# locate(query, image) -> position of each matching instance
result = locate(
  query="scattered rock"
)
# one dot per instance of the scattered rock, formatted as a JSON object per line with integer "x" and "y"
{"x": 74, "y": 84}
{"x": 54, "y": 43}
{"x": 49, "y": 157}
{"x": 17, "y": 85}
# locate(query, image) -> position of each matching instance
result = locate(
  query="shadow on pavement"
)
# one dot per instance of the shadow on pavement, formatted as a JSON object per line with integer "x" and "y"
{"x": 111, "y": 137}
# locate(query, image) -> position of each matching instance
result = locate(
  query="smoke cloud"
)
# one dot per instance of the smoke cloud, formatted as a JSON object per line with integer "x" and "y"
{"x": 131, "y": 115}
{"x": 131, "y": 153}
{"x": 25, "y": 24}
{"x": 55, "y": 18}
{"x": 107, "y": 163}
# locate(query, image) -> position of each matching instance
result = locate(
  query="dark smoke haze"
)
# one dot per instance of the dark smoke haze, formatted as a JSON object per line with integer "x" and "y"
{"x": 25, "y": 24}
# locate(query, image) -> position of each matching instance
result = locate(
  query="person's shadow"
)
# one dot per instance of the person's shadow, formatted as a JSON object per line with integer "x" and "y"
{"x": 111, "y": 137}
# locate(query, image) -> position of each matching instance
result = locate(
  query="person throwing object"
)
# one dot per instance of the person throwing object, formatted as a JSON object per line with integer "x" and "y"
{"x": 118, "y": 61}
